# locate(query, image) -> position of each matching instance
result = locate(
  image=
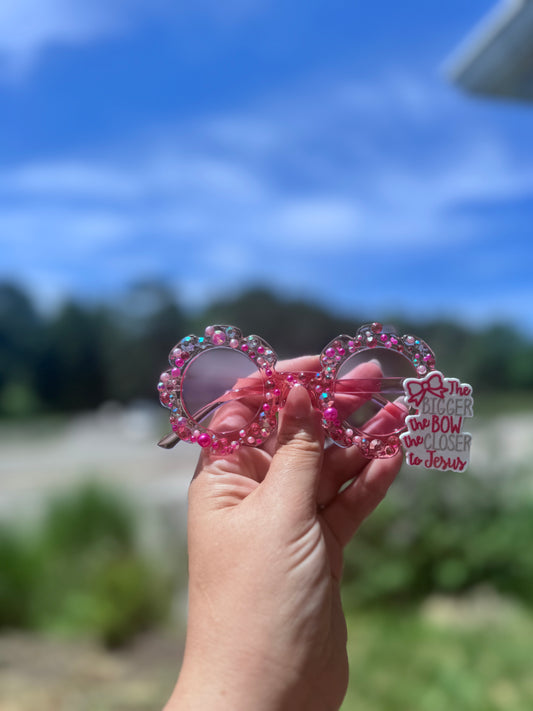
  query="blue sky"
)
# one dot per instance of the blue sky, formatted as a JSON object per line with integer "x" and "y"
{"x": 314, "y": 147}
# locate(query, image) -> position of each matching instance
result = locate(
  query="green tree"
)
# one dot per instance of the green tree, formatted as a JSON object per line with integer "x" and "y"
{"x": 69, "y": 373}
{"x": 144, "y": 326}
{"x": 291, "y": 326}
{"x": 21, "y": 332}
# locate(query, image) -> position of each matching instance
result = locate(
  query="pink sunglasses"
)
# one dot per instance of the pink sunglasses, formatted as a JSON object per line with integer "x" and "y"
{"x": 224, "y": 392}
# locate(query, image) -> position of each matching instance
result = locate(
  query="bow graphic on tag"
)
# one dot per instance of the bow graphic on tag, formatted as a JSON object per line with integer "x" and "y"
{"x": 417, "y": 389}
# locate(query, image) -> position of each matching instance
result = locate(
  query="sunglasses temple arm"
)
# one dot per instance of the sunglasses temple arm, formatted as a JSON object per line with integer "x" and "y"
{"x": 372, "y": 387}
{"x": 168, "y": 441}
{"x": 369, "y": 386}
{"x": 171, "y": 440}
{"x": 347, "y": 386}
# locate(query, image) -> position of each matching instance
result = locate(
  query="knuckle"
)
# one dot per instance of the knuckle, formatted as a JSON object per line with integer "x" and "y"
{"x": 375, "y": 490}
{"x": 300, "y": 441}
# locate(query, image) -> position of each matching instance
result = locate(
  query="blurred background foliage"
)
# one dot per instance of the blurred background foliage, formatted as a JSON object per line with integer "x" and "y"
{"x": 81, "y": 571}
{"x": 429, "y": 537}
{"x": 85, "y": 354}
{"x": 437, "y": 535}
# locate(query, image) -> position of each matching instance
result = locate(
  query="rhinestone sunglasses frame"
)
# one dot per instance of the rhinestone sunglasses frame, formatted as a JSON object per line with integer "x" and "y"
{"x": 321, "y": 385}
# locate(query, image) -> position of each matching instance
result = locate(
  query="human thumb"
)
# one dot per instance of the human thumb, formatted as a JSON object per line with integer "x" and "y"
{"x": 296, "y": 465}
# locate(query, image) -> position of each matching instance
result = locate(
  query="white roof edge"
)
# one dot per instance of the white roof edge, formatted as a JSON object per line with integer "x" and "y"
{"x": 481, "y": 37}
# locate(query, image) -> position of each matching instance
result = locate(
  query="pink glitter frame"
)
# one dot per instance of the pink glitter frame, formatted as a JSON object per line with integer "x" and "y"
{"x": 276, "y": 385}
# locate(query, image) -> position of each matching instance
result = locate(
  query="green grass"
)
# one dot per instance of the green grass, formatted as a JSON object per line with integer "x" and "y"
{"x": 401, "y": 662}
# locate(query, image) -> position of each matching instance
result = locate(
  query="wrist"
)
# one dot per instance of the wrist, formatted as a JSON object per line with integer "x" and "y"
{"x": 232, "y": 682}
{"x": 240, "y": 660}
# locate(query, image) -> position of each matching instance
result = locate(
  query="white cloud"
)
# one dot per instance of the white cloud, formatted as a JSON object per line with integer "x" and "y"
{"x": 222, "y": 211}
{"x": 423, "y": 202}
{"x": 169, "y": 174}
{"x": 37, "y": 232}
{"x": 182, "y": 188}
{"x": 28, "y": 27}
{"x": 342, "y": 187}
{"x": 221, "y": 178}
{"x": 68, "y": 179}
{"x": 317, "y": 219}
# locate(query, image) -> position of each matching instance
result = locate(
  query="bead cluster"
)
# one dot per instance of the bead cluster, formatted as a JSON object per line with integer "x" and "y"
{"x": 171, "y": 380}
{"x": 337, "y": 352}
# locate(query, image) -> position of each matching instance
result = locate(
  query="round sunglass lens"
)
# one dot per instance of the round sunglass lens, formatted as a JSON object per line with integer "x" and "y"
{"x": 369, "y": 391}
{"x": 223, "y": 389}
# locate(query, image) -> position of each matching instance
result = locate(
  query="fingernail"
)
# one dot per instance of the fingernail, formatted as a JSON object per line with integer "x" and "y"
{"x": 298, "y": 404}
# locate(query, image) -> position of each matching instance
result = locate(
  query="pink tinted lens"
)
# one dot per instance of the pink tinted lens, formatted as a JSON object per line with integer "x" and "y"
{"x": 223, "y": 389}
{"x": 369, "y": 395}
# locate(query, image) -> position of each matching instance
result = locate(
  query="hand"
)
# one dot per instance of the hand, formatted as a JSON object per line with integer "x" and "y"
{"x": 267, "y": 527}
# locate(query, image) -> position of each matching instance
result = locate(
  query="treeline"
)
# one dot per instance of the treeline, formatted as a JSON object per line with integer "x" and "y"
{"x": 85, "y": 354}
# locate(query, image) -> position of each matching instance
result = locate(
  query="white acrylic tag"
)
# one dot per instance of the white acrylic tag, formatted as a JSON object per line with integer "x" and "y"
{"x": 435, "y": 437}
